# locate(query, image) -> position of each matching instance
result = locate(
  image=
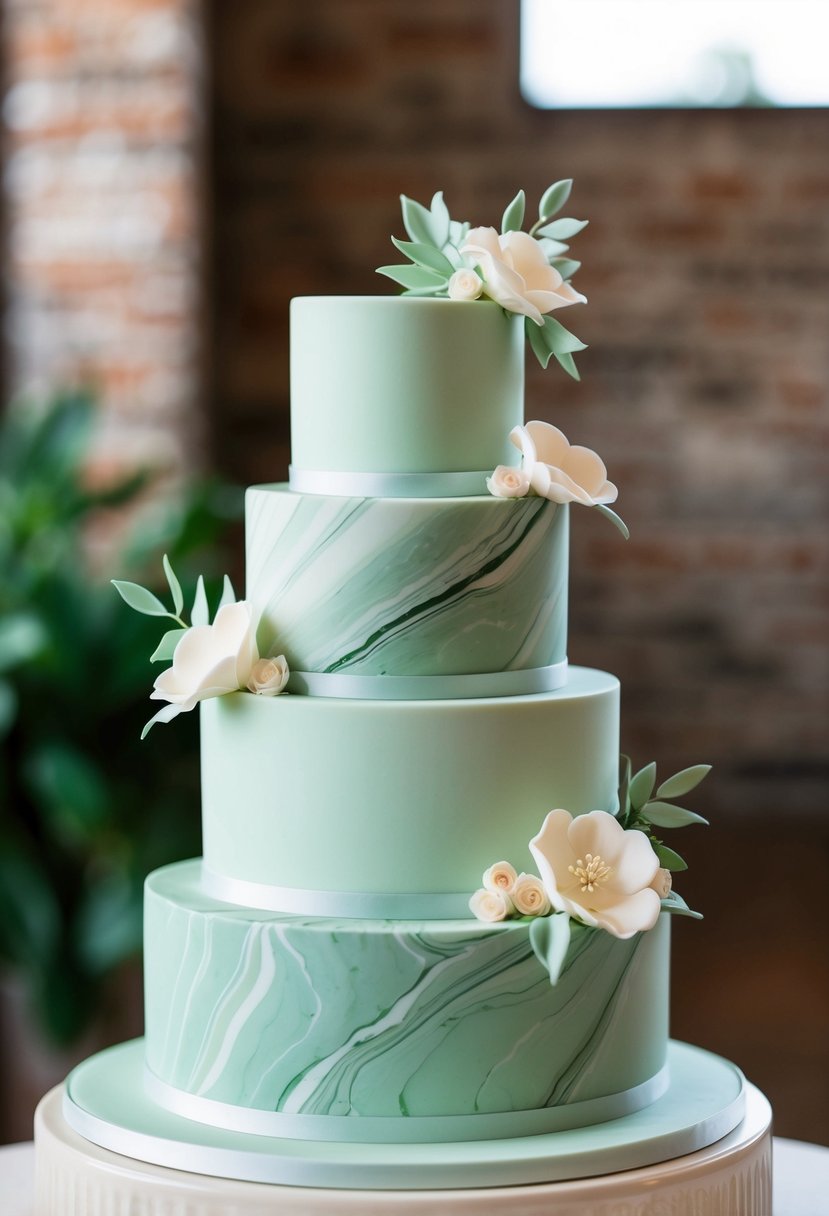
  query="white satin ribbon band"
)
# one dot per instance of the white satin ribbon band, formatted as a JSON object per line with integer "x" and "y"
{"x": 411, "y": 1129}
{"x": 389, "y": 485}
{"x": 336, "y": 905}
{"x": 430, "y": 688}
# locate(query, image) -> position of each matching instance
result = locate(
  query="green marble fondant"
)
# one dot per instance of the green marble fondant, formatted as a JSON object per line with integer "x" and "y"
{"x": 392, "y": 385}
{"x": 407, "y": 586}
{"x": 399, "y": 796}
{"x": 319, "y": 1016}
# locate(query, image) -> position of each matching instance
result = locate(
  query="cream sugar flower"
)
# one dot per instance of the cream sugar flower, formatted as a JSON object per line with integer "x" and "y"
{"x": 597, "y": 872}
{"x": 516, "y": 273}
{"x": 268, "y": 677}
{"x": 559, "y": 470}
{"x": 465, "y": 284}
{"x": 210, "y": 660}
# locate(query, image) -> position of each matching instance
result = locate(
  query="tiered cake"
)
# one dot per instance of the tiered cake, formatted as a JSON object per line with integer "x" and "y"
{"x": 333, "y": 1000}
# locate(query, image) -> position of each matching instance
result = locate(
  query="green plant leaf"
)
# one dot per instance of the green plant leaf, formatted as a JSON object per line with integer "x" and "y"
{"x": 563, "y": 229}
{"x": 419, "y": 222}
{"x": 439, "y": 221}
{"x": 684, "y": 782}
{"x": 174, "y": 585}
{"x": 425, "y": 255}
{"x": 559, "y": 340}
{"x": 165, "y": 649}
{"x": 513, "y": 216}
{"x": 414, "y": 277}
{"x": 676, "y": 904}
{"x": 641, "y": 786}
{"x": 139, "y": 598}
{"x": 550, "y": 941}
{"x": 666, "y": 815}
{"x": 22, "y": 637}
{"x": 108, "y": 927}
{"x": 668, "y": 858}
{"x": 566, "y": 267}
{"x": 228, "y": 594}
{"x": 70, "y": 790}
{"x": 569, "y": 364}
{"x": 554, "y": 198}
{"x": 200, "y": 613}
{"x": 615, "y": 519}
{"x": 8, "y": 707}
{"x": 165, "y": 714}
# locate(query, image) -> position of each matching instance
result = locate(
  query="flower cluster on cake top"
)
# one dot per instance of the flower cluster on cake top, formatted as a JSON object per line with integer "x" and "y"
{"x": 207, "y": 658}
{"x": 598, "y": 869}
{"x": 527, "y": 273}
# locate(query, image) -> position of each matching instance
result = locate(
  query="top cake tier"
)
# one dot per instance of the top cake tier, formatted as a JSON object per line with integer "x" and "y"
{"x": 403, "y": 385}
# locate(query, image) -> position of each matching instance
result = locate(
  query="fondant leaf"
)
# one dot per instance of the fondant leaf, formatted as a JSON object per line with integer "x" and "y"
{"x": 139, "y": 598}
{"x": 440, "y": 222}
{"x": 676, "y": 904}
{"x": 550, "y": 939}
{"x": 416, "y": 277}
{"x": 228, "y": 594}
{"x": 165, "y": 714}
{"x": 684, "y": 782}
{"x": 669, "y": 859}
{"x": 558, "y": 339}
{"x": 554, "y": 197}
{"x": 424, "y": 255}
{"x": 666, "y": 815}
{"x": 624, "y": 784}
{"x": 200, "y": 614}
{"x": 535, "y": 336}
{"x": 417, "y": 221}
{"x": 174, "y": 585}
{"x": 563, "y": 229}
{"x": 569, "y": 364}
{"x": 513, "y": 217}
{"x": 165, "y": 649}
{"x": 566, "y": 267}
{"x": 615, "y": 519}
{"x": 641, "y": 786}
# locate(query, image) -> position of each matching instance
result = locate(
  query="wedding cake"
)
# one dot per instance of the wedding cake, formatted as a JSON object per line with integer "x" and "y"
{"x": 425, "y": 956}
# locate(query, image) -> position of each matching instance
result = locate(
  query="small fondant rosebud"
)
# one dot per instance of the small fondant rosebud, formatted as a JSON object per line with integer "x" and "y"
{"x": 490, "y": 906}
{"x": 529, "y": 897}
{"x": 465, "y": 285}
{"x": 500, "y": 877}
{"x": 269, "y": 676}
{"x": 508, "y": 483}
{"x": 662, "y": 883}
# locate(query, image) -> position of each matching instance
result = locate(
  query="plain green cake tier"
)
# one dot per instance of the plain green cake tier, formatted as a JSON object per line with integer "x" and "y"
{"x": 395, "y": 808}
{"x": 394, "y": 1019}
{"x": 391, "y": 384}
{"x": 396, "y": 586}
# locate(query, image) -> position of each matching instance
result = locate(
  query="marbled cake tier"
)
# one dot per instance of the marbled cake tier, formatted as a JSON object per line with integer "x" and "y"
{"x": 403, "y": 385}
{"x": 312, "y": 1016}
{"x": 408, "y": 799}
{"x": 396, "y": 586}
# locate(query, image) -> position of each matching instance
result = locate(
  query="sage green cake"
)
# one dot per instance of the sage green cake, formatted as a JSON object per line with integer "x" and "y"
{"x": 428, "y": 941}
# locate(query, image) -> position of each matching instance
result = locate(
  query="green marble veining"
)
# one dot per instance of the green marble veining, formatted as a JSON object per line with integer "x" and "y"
{"x": 403, "y": 385}
{"x": 407, "y": 586}
{"x": 399, "y": 796}
{"x": 318, "y": 1016}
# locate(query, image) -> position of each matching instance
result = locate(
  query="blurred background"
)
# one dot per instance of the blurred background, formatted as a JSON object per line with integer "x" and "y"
{"x": 172, "y": 174}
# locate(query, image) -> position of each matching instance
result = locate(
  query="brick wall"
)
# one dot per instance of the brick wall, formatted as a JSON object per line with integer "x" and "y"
{"x": 100, "y": 180}
{"x": 705, "y": 385}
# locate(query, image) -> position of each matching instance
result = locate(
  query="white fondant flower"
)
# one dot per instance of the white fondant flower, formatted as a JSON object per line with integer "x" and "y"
{"x": 597, "y": 872}
{"x": 490, "y": 905}
{"x": 500, "y": 877}
{"x": 465, "y": 284}
{"x": 529, "y": 896}
{"x": 663, "y": 883}
{"x": 506, "y": 482}
{"x": 559, "y": 470}
{"x": 268, "y": 677}
{"x": 517, "y": 274}
{"x": 210, "y": 660}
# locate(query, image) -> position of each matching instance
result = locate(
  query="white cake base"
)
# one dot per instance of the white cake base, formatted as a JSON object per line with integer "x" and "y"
{"x": 729, "y": 1178}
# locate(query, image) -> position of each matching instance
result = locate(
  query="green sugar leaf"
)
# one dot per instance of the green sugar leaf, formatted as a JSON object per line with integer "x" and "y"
{"x": 420, "y": 223}
{"x": 440, "y": 222}
{"x": 535, "y": 337}
{"x": 676, "y": 904}
{"x": 558, "y": 339}
{"x": 554, "y": 197}
{"x": 174, "y": 585}
{"x": 569, "y": 364}
{"x": 165, "y": 714}
{"x": 550, "y": 941}
{"x": 624, "y": 784}
{"x": 615, "y": 519}
{"x": 513, "y": 217}
{"x": 566, "y": 267}
{"x": 200, "y": 614}
{"x": 641, "y": 786}
{"x": 666, "y": 815}
{"x": 139, "y": 598}
{"x": 228, "y": 594}
{"x": 165, "y": 649}
{"x": 424, "y": 255}
{"x": 415, "y": 278}
{"x": 684, "y": 782}
{"x": 669, "y": 859}
{"x": 563, "y": 229}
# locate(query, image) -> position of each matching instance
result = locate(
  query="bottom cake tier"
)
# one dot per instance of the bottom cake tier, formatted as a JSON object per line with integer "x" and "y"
{"x": 105, "y": 1148}
{"x": 315, "y": 1028}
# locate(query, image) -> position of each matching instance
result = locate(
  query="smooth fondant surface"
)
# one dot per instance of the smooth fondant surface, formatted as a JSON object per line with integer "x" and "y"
{"x": 396, "y": 796}
{"x": 381, "y": 586}
{"x": 391, "y": 384}
{"x": 394, "y": 1019}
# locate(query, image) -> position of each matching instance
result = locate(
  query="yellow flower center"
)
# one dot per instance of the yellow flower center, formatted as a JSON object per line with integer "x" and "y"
{"x": 590, "y": 872}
